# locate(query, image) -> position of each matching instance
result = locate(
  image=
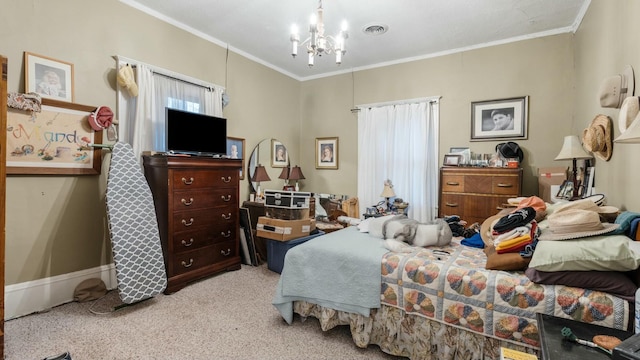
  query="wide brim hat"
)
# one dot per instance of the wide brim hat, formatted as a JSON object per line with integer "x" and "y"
{"x": 628, "y": 112}
{"x": 614, "y": 89}
{"x": 630, "y": 133}
{"x": 510, "y": 150}
{"x": 101, "y": 119}
{"x": 486, "y": 229}
{"x": 589, "y": 203}
{"x": 126, "y": 80}
{"x": 597, "y": 138}
{"x": 574, "y": 224}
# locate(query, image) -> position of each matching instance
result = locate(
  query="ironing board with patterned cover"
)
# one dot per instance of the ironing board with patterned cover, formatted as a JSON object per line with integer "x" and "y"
{"x": 133, "y": 226}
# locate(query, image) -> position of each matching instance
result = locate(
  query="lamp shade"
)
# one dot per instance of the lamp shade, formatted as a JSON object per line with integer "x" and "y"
{"x": 296, "y": 173}
{"x": 284, "y": 174}
{"x": 572, "y": 149}
{"x": 260, "y": 174}
{"x": 387, "y": 192}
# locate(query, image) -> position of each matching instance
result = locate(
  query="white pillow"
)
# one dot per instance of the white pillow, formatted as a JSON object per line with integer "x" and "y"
{"x": 364, "y": 225}
{"x": 375, "y": 225}
{"x": 594, "y": 253}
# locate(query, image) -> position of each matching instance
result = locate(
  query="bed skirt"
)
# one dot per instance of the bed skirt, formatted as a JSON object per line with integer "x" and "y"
{"x": 401, "y": 334}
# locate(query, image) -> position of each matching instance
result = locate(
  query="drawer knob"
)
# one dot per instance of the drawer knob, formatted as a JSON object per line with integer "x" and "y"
{"x": 187, "y": 182}
{"x": 184, "y": 243}
{"x": 187, "y": 203}
{"x": 227, "y": 179}
{"x": 505, "y": 185}
{"x": 185, "y": 223}
{"x": 187, "y": 265}
{"x": 225, "y": 253}
{"x": 225, "y": 198}
{"x": 227, "y": 234}
{"x": 453, "y": 183}
{"x": 452, "y": 204}
{"x": 226, "y": 217}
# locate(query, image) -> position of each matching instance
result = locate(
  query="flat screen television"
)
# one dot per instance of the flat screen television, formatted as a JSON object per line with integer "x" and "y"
{"x": 195, "y": 134}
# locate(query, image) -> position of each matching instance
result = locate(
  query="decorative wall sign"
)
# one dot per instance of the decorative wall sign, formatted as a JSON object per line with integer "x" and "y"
{"x": 54, "y": 141}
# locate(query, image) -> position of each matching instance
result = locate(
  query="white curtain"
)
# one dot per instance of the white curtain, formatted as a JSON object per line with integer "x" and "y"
{"x": 399, "y": 142}
{"x": 142, "y": 118}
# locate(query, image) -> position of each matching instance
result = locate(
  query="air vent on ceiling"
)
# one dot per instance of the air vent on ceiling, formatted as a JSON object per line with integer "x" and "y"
{"x": 375, "y": 29}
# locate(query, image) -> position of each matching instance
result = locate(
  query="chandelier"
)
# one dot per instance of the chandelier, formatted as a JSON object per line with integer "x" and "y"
{"x": 318, "y": 43}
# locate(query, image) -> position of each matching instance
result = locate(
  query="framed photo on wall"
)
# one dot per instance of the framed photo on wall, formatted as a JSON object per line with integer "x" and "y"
{"x": 51, "y": 78}
{"x": 327, "y": 153}
{"x": 235, "y": 150}
{"x": 500, "y": 119}
{"x": 279, "y": 154}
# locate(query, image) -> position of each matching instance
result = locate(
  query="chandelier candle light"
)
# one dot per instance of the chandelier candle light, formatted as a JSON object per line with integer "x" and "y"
{"x": 318, "y": 43}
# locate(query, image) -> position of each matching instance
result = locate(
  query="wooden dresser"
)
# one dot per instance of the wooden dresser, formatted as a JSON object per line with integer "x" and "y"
{"x": 197, "y": 205}
{"x": 477, "y": 193}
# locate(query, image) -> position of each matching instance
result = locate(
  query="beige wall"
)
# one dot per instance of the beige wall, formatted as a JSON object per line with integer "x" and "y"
{"x": 505, "y": 71}
{"x": 56, "y": 224}
{"x": 607, "y": 41}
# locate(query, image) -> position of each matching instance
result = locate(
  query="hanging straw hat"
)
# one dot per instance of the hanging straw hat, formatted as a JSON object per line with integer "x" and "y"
{"x": 616, "y": 88}
{"x": 126, "y": 80}
{"x": 597, "y": 137}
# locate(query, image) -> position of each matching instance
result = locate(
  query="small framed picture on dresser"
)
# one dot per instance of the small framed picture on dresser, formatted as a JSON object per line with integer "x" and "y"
{"x": 452, "y": 160}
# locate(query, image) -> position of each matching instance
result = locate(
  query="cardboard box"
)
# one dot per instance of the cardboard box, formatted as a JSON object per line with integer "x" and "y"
{"x": 276, "y": 250}
{"x": 286, "y": 214}
{"x": 547, "y": 177}
{"x": 282, "y": 230}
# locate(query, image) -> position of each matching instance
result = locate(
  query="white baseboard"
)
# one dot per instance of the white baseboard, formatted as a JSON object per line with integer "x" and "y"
{"x": 42, "y": 294}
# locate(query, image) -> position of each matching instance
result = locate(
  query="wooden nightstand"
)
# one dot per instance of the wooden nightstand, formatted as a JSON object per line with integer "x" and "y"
{"x": 553, "y": 346}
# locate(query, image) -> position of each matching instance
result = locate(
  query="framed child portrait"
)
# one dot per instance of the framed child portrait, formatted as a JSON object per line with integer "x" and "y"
{"x": 235, "y": 150}
{"x": 279, "y": 154}
{"x": 51, "y": 78}
{"x": 327, "y": 153}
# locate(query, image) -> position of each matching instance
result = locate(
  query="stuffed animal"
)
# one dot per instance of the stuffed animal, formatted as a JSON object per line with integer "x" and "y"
{"x": 401, "y": 234}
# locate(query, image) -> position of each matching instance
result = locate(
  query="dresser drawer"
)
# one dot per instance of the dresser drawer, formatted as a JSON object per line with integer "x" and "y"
{"x": 197, "y": 238}
{"x": 452, "y": 204}
{"x": 213, "y": 219}
{"x": 505, "y": 185}
{"x": 194, "y": 259}
{"x": 453, "y": 183}
{"x": 189, "y": 179}
{"x": 203, "y": 198}
{"x": 191, "y": 260}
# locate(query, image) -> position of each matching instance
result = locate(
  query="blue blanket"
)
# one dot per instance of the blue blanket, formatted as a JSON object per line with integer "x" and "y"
{"x": 339, "y": 270}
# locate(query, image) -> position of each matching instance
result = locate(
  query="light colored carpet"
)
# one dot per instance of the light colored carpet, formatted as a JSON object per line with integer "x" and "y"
{"x": 227, "y": 316}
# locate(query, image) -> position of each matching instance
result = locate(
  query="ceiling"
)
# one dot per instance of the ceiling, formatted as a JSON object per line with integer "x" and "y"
{"x": 417, "y": 29}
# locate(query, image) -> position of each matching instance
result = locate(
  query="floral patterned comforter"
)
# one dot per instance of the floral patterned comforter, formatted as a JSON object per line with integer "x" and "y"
{"x": 451, "y": 285}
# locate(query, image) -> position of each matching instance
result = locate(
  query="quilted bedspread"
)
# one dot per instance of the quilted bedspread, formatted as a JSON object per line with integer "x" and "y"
{"x": 451, "y": 285}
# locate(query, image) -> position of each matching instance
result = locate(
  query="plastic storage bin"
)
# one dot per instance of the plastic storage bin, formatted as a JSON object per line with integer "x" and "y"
{"x": 276, "y": 250}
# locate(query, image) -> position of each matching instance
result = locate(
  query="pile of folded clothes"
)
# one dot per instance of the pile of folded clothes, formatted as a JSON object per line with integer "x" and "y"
{"x": 516, "y": 232}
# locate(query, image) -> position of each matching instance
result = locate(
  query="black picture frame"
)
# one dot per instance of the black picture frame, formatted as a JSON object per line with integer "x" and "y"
{"x": 482, "y": 123}
{"x": 245, "y": 224}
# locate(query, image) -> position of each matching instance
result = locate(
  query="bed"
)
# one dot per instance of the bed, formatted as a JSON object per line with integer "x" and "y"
{"x": 432, "y": 303}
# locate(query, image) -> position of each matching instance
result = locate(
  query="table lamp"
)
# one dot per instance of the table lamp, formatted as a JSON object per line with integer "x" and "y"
{"x": 387, "y": 193}
{"x": 285, "y": 176}
{"x": 260, "y": 175}
{"x": 572, "y": 150}
{"x": 296, "y": 174}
